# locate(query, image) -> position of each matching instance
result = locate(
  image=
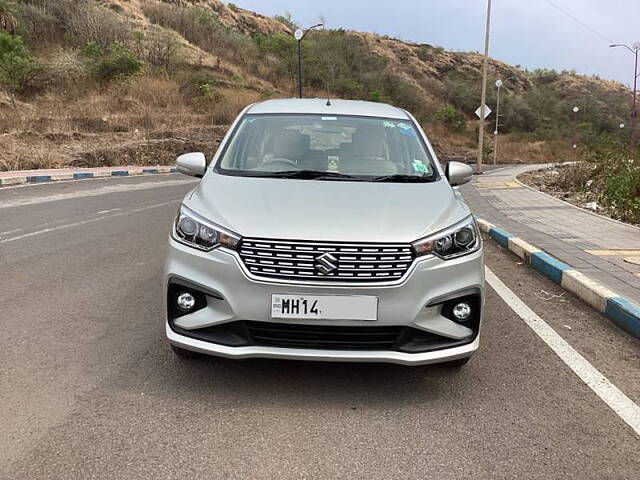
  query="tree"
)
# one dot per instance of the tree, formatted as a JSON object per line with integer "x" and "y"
{"x": 17, "y": 66}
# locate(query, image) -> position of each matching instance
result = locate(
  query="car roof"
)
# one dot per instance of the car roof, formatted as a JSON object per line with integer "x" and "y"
{"x": 336, "y": 107}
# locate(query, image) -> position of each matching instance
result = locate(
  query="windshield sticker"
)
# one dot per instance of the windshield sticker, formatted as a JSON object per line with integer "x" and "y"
{"x": 251, "y": 120}
{"x": 329, "y": 118}
{"x": 389, "y": 124}
{"x": 418, "y": 166}
{"x": 404, "y": 126}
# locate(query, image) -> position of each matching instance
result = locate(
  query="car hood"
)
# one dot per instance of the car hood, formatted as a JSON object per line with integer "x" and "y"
{"x": 326, "y": 210}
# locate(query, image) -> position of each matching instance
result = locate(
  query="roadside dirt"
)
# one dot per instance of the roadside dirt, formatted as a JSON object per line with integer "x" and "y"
{"x": 106, "y": 148}
{"x": 569, "y": 182}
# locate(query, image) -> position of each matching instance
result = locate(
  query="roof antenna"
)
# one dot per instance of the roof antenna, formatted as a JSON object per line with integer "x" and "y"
{"x": 328, "y": 102}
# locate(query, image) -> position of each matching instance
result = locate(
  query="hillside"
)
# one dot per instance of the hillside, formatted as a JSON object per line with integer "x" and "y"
{"x": 122, "y": 81}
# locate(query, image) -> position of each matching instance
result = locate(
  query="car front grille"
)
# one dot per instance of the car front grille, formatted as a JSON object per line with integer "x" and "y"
{"x": 323, "y": 337}
{"x": 326, "y": 261}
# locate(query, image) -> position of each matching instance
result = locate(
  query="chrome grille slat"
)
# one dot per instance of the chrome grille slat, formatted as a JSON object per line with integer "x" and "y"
{"x": 346, "y": 260}
{"x": 319, "y": 251}
{"x": 291, "y": 260}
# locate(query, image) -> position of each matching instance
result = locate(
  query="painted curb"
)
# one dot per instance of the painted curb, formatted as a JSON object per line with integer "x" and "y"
{"x": 22, "y": 179}
{"x": 620, "y": 310}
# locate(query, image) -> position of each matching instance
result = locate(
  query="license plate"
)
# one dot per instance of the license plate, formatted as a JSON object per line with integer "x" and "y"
{"x": 324, "y": 307}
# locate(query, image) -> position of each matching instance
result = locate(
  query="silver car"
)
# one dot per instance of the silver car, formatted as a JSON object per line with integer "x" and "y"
{"x": 325, "y": 230}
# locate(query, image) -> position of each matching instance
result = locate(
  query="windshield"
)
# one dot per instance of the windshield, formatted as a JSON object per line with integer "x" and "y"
{"x": 327, "y": 148}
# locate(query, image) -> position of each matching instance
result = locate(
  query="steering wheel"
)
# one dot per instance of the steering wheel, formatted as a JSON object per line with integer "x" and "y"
{"x": 280, "y": 161}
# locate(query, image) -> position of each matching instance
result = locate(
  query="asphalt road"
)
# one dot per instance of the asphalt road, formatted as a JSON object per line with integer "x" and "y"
{"x": 90, "y": 389}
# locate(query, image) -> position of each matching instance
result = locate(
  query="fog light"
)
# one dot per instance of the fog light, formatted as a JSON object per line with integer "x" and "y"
{"x": 186, "y": 302}
{"x": 462, "y": 311}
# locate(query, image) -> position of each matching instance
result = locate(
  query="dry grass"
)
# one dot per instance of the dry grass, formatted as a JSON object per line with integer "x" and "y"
{"x": 547, "y": 151}
{"x": 140, "y": 119}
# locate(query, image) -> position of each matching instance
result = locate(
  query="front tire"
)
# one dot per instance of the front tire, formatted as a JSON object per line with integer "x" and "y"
{"x": 182, "y": 353}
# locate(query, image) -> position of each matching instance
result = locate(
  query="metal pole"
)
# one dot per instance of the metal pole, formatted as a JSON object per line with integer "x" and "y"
{"x": 299, "y": 35}
{"x": 483, "y": 99}
{"x": 299, "y": 69}
{"x": 575, "y": 127}
{"x": 634, "y": 108}
{"x": 495, "y": 146}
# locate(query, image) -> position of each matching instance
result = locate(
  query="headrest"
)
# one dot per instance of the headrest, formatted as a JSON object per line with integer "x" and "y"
{"x": 368, "y": 142}
{"x": 292, "y": 145}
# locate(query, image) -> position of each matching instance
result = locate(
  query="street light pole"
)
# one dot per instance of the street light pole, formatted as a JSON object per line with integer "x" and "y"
{"x": 634, "y": 108}
{"x": 499, "y": 84}
{"x": 634, "y": 103}
{"x": 495, "y": 132}
{"x": 575, "y": 126}
{"x": 483, "y": 99}
{"x": 299, "y": 36}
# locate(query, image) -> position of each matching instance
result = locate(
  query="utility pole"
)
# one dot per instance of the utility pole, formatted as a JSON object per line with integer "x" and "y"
{"x": 634, "y": 102}
{"x": 299, "y": 36}
{"x": 483, "y": 99}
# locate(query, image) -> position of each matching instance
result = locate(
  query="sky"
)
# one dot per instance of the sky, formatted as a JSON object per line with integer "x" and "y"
{"x": 530, "y": 33}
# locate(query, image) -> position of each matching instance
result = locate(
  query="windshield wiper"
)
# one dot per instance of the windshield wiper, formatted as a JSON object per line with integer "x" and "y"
{"x": 311, "y": 175}
{"x": 399, "y": 178}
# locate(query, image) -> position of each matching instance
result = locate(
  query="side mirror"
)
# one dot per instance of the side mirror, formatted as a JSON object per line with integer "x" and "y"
{"x": 458, "y": 173}
{"x": 192, "y": 164}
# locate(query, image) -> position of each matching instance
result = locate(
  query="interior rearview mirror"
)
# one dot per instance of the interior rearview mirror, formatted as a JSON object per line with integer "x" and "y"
{"x": 458, "y": 173}
{"x": 192, "y": 164}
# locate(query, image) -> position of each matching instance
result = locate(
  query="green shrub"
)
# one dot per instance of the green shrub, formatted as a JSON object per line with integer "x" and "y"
{"x": 119, "y": 63}
{"x": 616, "y": 177}
{"x": 287, "y": 20}
{"x": 201, "y": 84}
{"x": 91, "y": 50}
{"x": 452, "y": 118}
{"x": 375, "y": 96}
{"x": 17, "y": 66}
{"x": 622, "y": 192}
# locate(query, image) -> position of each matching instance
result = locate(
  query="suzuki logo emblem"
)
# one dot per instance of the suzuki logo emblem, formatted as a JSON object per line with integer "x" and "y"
{"x": 326, "y": 264}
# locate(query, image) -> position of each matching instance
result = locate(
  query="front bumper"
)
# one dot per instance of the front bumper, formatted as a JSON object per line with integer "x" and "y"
{"x": 231, "y": 296}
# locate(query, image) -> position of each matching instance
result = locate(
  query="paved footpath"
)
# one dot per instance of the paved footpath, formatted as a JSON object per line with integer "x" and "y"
{"x": 601, "y": 248}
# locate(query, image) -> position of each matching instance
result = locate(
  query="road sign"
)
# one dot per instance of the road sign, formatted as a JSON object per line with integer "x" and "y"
{"x": 299, "y": 33}
{"x": 487, "y": 112}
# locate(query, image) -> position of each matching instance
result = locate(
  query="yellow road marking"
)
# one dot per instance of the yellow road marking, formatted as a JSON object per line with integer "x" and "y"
{"x": 498, "y": 185}
{"x": 614, "y": 253}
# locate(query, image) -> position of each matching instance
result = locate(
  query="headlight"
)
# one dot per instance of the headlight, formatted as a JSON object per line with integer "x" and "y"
{"x": 453, "y": 242}
{"x": 194, "y": 231}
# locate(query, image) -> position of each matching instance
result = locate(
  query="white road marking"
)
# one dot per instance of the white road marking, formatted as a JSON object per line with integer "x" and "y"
{"x": 125, "y": 187}
{"x": 84, "y": 222}
{"x": 11, "y": 231}
{"x": 109, "y": 211}
{"x": 622, "y": 405}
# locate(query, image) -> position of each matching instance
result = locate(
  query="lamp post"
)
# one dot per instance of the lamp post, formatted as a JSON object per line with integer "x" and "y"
{"x": 575, "y": 126}
{"x": 499, "y": 84}
{"x": 634, "y": 103}
{"x": 483, "y": 99}
{"x": 299, "y": 36}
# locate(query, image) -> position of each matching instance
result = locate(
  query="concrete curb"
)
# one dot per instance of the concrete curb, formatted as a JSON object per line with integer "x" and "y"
{"x": 81, "y": 174}
{"x": 620, "y": 310}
